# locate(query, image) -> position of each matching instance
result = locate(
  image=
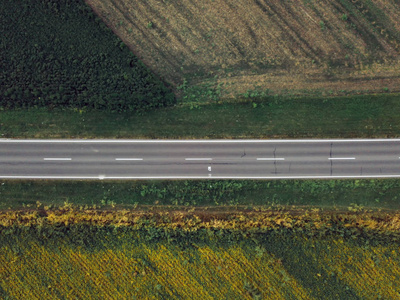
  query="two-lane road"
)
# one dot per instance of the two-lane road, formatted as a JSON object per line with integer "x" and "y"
{"x": 211, "y": 159}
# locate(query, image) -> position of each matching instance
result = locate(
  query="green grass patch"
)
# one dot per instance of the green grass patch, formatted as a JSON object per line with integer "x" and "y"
{"x": 353, "y": 195}
{"x": 364, "y": 116}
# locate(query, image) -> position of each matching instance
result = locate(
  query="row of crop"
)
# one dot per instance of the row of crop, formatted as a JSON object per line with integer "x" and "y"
{"x": 59, "y": 54}
{"x": 368, "y": 270}
{"x": 122, "y": 263}
{"x": 168, "y": 273}
{"x": 377, "y": 20}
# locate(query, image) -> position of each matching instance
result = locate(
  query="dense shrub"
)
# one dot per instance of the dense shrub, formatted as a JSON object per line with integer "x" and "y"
{"x": 57, "y": 53}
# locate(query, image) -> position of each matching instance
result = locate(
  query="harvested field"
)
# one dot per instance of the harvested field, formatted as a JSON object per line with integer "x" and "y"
{"x": 278, "y": 45}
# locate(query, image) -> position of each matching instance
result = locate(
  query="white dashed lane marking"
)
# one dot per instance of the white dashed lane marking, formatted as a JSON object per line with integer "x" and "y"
{"x": 198, "y": 158}
{"x": 271, "y": 158}
{"x": 341, "y": 158}
{"x": 129, "y": 159}
{"x": 57, "y": 158}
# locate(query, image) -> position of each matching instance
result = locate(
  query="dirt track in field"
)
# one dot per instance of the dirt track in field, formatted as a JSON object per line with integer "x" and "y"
{"x": 351, "y": 45}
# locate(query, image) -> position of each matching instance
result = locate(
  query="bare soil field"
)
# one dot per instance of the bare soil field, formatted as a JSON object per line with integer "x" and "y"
{"x": 302, "y": 46}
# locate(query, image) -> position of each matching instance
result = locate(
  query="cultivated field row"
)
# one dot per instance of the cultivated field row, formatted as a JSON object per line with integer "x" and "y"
{"x": 332, "y": 45}
{"x": 106, "y": 263}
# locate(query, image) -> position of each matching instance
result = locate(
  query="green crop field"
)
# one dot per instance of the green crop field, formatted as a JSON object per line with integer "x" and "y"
{"x": 59, "y": 54}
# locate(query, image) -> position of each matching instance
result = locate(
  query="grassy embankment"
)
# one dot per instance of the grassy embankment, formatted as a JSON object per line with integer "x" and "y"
{"x": 327, "y": 195}
{"x": 271, "y": 117}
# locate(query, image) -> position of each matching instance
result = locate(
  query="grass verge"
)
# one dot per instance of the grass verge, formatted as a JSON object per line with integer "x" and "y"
{"x": 353, "y": 195}
{"x": 271, "y": 117}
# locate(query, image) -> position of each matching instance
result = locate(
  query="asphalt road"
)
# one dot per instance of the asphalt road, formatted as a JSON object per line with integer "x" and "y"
{"x": 212, "y": 159}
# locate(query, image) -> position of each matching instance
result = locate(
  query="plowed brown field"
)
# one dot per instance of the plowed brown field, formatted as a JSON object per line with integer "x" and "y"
{"x": 334, "y": 45}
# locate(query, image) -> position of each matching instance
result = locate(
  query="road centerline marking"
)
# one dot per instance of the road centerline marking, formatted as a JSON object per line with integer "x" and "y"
{"x": 343, "y": 158}
{"x": 57, "y": 158}
{"x": 198, "y": 158}
{"x": 271, "y": 158}
{"x": 129, "y": 159}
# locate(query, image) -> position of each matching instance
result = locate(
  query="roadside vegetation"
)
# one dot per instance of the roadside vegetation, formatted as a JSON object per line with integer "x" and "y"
{"x": 343, "y": 195}
{"x": 367, "y": 116}
{"x": 58, "y": 53}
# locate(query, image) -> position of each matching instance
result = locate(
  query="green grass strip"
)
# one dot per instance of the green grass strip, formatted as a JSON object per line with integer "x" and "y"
{"x": 273, "y": 117}
{"x": 343, "y": 194}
